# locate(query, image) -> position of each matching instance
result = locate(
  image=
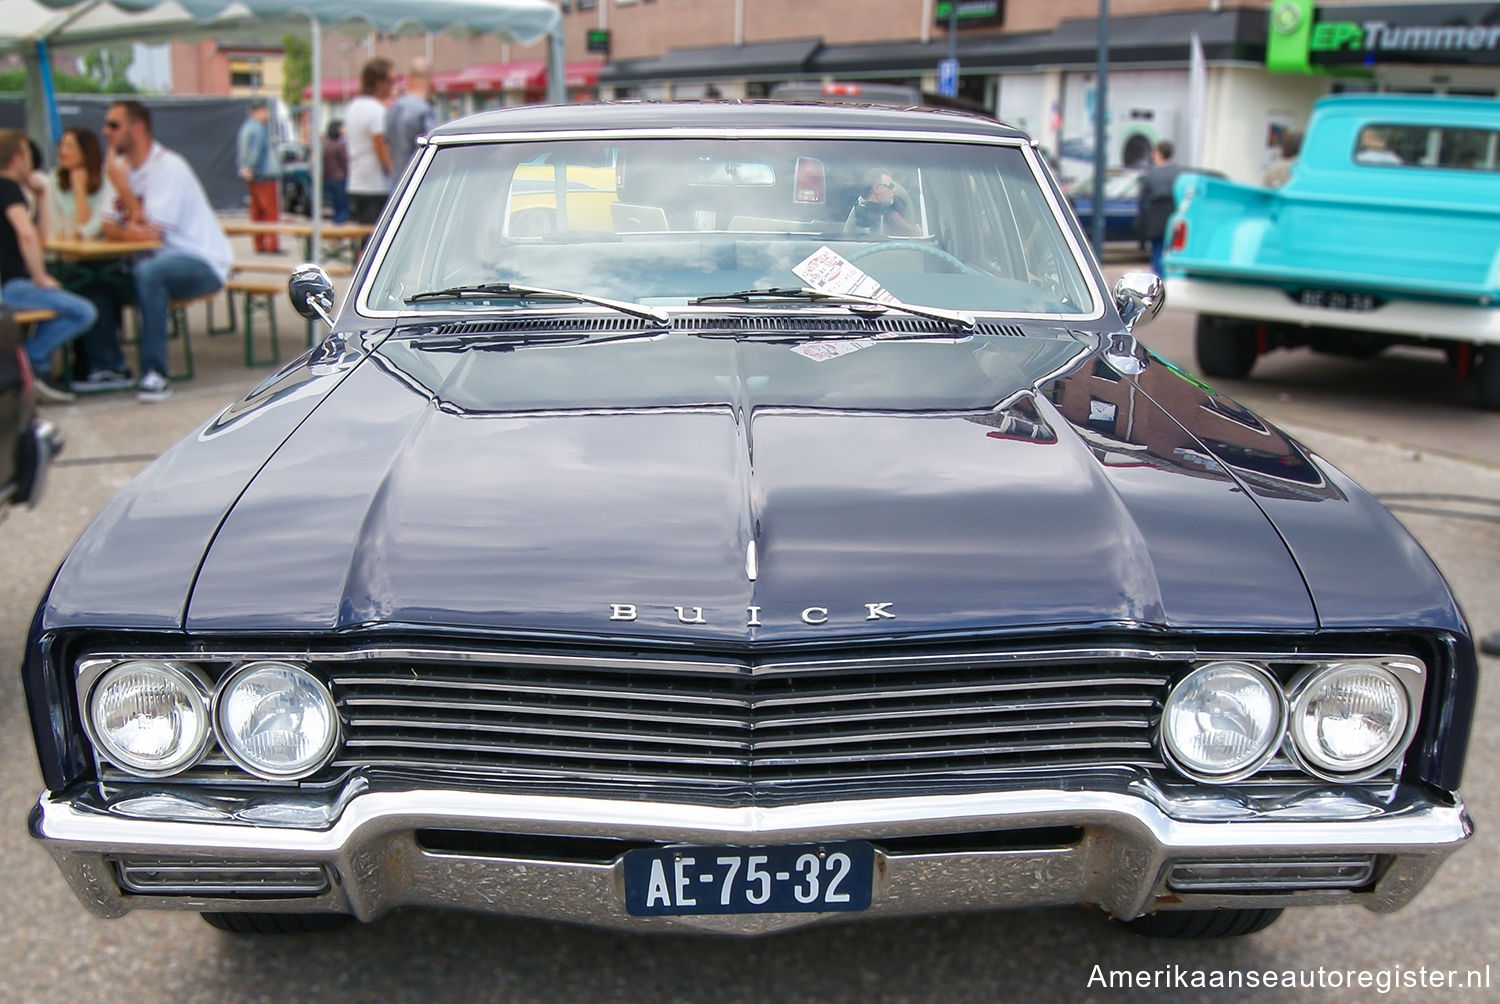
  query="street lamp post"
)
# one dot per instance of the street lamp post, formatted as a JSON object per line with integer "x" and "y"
{"x": 1101, "y": 115}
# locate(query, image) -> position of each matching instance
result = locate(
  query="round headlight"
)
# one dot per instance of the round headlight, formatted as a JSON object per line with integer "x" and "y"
{"x": 276, "y": 720}
{"x": 1349, "y": 719}
{"x": 151, "y": 718}
{"x": 1223, "y": 721}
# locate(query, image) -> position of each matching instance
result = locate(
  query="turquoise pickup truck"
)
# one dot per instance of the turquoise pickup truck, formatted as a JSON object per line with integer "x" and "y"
{"x": 1388, "y": 233}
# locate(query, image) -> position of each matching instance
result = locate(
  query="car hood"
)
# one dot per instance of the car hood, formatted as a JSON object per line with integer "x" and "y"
{"x": 719, "y": 490}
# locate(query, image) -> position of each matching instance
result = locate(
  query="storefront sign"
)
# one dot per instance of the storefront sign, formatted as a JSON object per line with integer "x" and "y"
{"x": 1308, "y": 39}
{"x": 969, "y": 12}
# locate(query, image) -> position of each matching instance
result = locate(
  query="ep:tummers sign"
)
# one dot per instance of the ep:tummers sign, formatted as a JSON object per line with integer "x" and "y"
{"x": 1382, "y": 36}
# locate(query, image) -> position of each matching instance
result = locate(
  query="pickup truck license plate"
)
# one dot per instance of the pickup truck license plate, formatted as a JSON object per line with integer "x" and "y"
{"x": 796, "y": 878}
{"x": 1338, "y": 299}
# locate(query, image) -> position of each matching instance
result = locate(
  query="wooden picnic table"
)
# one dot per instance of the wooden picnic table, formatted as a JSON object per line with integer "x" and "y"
{"x": 301, "y": 228}
{"x": 88, "y": 249}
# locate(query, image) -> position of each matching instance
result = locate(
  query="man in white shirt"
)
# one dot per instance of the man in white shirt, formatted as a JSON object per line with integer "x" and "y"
{"x": 369, "y": 153}
{"x": 195, "y": 256}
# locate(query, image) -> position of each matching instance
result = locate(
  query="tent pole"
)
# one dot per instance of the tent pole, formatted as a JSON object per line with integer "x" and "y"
{"x": 557, "y": 85}
{"x": 41, "y": 103}
{"x": 315, "y": 139}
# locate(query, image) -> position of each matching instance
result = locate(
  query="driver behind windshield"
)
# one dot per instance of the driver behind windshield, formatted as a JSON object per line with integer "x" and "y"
{"x": 883, "y": 208}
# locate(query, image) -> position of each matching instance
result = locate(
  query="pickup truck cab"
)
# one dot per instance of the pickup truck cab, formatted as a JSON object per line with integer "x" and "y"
{"x": 1386, "y": 234}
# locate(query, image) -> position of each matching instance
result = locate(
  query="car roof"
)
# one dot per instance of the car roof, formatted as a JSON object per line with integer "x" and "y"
{"x": 709, "y": 115}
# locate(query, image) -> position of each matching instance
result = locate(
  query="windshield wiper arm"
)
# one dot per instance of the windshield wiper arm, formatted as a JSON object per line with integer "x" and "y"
{"x": 479, "y": 290}
{"x": 864, "y": 305}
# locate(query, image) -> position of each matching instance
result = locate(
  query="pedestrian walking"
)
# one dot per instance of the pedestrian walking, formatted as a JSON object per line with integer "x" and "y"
{"x": 1280, "y": 170}
{"x": 262, "y": 174}
{"x": 410, "y": 116}
{"x": 1157, "y": 202}
{"x": 369, "y": 154}
{"x": 336, "y": 172}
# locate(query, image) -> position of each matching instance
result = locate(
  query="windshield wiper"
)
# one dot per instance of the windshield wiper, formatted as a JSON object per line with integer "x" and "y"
{"x": 480, "y": 290}
{"x": 863, "y": 305}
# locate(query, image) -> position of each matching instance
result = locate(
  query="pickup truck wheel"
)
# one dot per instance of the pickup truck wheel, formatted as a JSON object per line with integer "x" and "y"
{"x": 1224, "y": 348}
{"x": 1486, "y": 378}
{"x": 276, "y": 923}
{"x": 1194, "y": 924}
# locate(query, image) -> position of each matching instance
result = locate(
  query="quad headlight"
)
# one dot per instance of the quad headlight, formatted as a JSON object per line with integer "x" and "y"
{"x": 1223, "y": 721}
{"x": 276, "y": 720}
{"x": 1348, "y": 720}
{"x": 150, "y": 717}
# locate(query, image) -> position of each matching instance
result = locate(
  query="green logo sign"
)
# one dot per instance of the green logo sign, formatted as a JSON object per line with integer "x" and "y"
{"x": 1332, "y": 36}
{"x": 1286, "y": 16}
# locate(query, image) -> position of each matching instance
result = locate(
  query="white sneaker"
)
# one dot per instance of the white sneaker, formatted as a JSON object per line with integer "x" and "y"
{"x": 153, "y": 387}
{"x": 98, "y": 380}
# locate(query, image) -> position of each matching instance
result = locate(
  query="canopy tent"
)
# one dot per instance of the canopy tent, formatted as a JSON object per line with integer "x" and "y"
{"x": 35, "y": 25}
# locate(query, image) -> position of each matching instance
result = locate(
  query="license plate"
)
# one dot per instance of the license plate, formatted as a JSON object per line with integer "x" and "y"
{"x": 795, "y": 878}
{"x": 1338, "y": 299}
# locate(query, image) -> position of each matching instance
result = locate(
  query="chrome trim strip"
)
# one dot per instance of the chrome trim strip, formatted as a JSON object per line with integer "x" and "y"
{"x": 1087, "y": 266}
{"x": 1133, "y": 833}
{"x": 731, "y": 665}
{"x": 610, "y": 713}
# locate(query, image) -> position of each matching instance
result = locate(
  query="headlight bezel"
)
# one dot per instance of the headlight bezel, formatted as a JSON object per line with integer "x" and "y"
{"x": 1175, "y": 758}
{"x": 1408, "y": 680}
{"x": 94, "y": 675}
{"x": 237, "y": 673}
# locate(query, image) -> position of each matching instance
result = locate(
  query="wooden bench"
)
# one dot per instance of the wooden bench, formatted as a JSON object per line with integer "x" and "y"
{"x": 274, "y": 268}
{"x": 28, "y": 319}
{"x": 260, "y": 296}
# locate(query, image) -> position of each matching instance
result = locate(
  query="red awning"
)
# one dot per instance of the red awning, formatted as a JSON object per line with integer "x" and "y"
{"x": 526, "y": 74}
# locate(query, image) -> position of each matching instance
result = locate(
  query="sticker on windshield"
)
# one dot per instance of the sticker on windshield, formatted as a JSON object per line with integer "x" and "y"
{"x": 827, "y": 270}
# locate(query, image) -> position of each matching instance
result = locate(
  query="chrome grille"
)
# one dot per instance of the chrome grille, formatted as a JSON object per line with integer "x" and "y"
{"x": 727, "y": 722}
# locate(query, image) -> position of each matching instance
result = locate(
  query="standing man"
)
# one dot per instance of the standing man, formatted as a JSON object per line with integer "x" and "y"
{"x": 24, "y": 282}
{"x": 410, "y": 116}
{"x": 195, "y": 257}
{"x": 257, "y": 164}
{"x": 369, "y": 155}
{"x": 1157, "y": 202}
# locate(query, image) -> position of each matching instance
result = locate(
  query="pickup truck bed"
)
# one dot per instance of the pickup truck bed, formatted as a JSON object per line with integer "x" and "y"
{"x": 1353, "y": 256}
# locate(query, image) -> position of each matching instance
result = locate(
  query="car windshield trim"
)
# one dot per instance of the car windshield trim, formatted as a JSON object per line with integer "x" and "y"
{"x": 487, "y": 290}
{"x": 1095, "y": 300}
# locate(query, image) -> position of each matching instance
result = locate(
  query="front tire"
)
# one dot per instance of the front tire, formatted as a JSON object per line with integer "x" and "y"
{"x": 1199, "y": 924}
{"x": 277, "y": 923}
{"x": 1225, "y": 348}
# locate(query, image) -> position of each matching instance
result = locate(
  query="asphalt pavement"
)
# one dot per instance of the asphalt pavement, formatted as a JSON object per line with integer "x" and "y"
{"x": 1393, "y": 425}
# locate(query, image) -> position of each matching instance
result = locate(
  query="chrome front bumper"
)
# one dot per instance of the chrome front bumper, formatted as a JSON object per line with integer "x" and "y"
{"x": 1131, "y": 833}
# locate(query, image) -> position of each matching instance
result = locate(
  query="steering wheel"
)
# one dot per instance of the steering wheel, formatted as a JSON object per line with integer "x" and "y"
{"x": 930, "y": 250}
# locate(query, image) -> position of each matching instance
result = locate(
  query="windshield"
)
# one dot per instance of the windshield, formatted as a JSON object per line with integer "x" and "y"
{"x": 662, "y": 222}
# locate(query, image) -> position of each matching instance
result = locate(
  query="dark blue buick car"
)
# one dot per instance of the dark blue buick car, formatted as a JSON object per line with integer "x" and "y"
{"x": 733, "y": 517}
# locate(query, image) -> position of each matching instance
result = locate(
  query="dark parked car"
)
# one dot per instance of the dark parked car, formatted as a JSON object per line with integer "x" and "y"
{"x": 1122, "y": 191}
{"x": 296, "y": 178}
{"x": 27, "y": 443}
{"x": 701, "y": 553}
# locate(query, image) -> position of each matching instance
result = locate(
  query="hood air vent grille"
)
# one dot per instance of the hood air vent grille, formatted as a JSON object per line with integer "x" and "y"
{"x": 787, "y": 323}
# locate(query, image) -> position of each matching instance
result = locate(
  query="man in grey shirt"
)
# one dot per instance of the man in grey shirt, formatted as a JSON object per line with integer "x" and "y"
{"x": 410, "y": 116}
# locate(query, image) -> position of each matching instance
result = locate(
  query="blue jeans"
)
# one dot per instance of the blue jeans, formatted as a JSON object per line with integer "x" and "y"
{"x": 75, "y": 315}
{"x": 1157, "y": 244}
{"x": 336, "y": 194}
{"x": 160, "y": 279}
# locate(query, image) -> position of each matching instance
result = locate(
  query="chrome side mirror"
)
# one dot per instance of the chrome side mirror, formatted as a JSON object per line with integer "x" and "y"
{"x": 311, "y": 292}
{"x": 1139, "y": 296}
